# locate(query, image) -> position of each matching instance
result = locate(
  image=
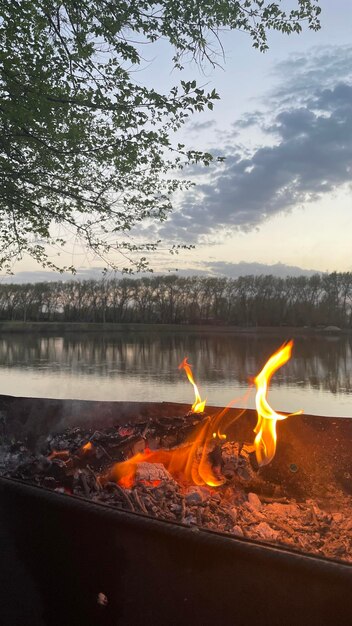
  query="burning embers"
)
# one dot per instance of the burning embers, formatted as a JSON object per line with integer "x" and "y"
{"x": 204, "y": 458}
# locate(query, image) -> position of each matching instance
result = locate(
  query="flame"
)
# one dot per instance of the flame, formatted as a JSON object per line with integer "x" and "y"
{"x": 265, "y": 441}
{"x": 199, "y": 404}
{"x": 188, "y": 463}
{"x": 191, "y": 462}
{"x": 87, "y": 447}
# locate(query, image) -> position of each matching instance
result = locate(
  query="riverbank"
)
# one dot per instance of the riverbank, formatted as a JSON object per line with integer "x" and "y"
{"x": 60, "y": 328}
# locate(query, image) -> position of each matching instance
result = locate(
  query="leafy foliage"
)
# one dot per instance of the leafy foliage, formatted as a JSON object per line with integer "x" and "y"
{"x": 85, "y": 150}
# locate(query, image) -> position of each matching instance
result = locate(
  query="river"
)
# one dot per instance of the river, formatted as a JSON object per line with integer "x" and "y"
{"x": 143, "y": 366}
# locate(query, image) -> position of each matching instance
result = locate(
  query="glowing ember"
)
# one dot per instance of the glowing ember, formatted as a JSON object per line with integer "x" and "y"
{"x": 199, "y": 404}
{"x": 64, "y": 455}
{"x": 265, "y": 441}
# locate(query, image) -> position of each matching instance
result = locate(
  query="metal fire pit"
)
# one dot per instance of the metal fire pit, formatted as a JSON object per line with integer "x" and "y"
{"x": 66, "y": 561}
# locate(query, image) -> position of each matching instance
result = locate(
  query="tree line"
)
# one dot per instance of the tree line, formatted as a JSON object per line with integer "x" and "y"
{"x": 321, "y": 299}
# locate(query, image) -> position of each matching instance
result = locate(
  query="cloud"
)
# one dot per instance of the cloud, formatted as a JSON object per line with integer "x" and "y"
{"x": 42, "y": 276}
{"x": 250, "y": 119}
{"x": 298, "y": 76}
{"x": 330, "y": 99}
{"x": 308, "y": 154}
{"x": 197, "y": 127}
{"x": 234, "y": 270}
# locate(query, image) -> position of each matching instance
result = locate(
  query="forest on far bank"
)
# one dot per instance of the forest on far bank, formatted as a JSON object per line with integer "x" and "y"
{"x": 318, "y": 300}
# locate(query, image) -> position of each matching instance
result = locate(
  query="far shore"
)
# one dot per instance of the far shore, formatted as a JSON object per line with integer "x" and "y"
{"x": 58, "y": 328}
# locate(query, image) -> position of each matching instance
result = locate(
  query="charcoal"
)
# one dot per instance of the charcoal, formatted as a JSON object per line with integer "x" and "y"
{"x": 243, "y": 506}
{"x": 175, "y": 508}
{"x": 190, "y": 519}
{"x": 17, "y": 446}
{"x": 233, "y": 514}
{"x": 196, "y": 495}
{"x": 139, "y": 501}
{"x": 264, "y": 531}
{"x": 138, "y": 446}
{"x": 236, "y": 462}
{"x": 49, "y": 482}
{"x": 57, "y": 469}
{"x": 254, "y": 502}
{"x": 151, "y": 473}
{"x": 125, "y": 431}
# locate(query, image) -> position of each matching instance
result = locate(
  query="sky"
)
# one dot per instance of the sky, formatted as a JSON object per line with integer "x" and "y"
{"x": 281, "y": 201}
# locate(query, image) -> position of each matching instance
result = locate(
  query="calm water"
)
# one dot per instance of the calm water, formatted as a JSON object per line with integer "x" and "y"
{"x": 143, "y": 366}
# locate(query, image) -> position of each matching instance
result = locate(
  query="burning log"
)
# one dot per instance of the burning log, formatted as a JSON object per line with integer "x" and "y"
{"x": 238, "y": 462}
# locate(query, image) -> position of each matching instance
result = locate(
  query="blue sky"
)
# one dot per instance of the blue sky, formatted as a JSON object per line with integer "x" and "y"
{"x": 284, "y": 123}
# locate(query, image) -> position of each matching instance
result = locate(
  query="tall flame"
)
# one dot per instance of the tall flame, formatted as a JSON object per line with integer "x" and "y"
{"x": 265, "y": 441}
{"x": 199, "y": 404}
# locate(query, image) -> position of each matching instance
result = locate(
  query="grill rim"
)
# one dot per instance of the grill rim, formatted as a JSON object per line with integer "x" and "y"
{"x": 166, "y": 527}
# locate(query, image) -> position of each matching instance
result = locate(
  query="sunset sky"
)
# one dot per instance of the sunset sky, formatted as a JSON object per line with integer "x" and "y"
{"x": 284, "y": 123}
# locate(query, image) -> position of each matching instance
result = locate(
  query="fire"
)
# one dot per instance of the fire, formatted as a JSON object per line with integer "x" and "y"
{"x": 87, "y": 447}
{"x": 265, "y": 441}
{"x": 193, "y": 462}
{"x": 199, "y": 404}
{"x": 188, "y": 463}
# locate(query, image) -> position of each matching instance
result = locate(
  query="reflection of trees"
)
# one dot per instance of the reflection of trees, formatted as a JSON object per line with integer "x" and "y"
{"x": 317, "y": 362}
{"x": 246, "y": 301}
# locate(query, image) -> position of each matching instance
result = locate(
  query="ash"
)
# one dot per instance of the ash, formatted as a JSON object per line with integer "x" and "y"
{"x": 244, "y": 506}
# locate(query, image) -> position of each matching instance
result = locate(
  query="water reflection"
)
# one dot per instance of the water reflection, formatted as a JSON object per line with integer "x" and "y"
{"x": 143, "y": 366}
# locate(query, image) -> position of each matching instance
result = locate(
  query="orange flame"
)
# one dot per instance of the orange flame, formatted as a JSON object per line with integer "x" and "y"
{"x": 189, "y": 462}
{"x": 87, "y": 447}
{"x": 265, "y": 441}
{"x": 199, "y": 404}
